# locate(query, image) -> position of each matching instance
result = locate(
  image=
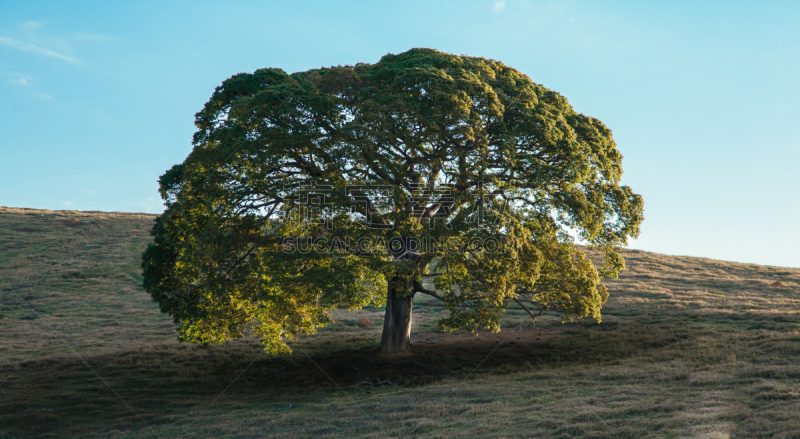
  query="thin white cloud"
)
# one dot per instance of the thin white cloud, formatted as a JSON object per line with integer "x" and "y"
{"x": 499, "y": 6}
{"x": 20, "y": 81}
{"x": 28, "y": 47}
{"x": 30, "y": 25}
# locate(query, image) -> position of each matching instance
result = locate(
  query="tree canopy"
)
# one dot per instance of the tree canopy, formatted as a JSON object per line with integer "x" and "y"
{"x": 342, "y": 187}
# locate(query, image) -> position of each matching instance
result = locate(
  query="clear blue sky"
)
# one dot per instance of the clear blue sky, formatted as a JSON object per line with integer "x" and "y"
{"x": 703, "y": 97}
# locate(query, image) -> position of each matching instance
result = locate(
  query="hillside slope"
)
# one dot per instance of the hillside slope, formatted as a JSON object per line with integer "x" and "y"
{"x": 688, "y": 347}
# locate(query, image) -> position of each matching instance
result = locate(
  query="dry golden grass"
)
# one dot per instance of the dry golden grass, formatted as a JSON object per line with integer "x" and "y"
{"x": 688, "y": 347}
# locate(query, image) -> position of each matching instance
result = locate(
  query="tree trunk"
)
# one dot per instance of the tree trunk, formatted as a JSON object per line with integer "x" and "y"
{"x": 397, "y": 323}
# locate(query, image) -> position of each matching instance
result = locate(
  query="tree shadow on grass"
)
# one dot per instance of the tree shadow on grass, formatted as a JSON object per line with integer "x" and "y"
{"x": 61, "y": 396}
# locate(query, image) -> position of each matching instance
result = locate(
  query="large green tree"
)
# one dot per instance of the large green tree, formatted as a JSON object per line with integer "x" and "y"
{"x": 426, "y": 172}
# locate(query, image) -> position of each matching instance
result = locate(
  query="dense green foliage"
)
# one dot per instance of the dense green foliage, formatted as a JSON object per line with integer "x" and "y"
{"x": 448, "y": 170}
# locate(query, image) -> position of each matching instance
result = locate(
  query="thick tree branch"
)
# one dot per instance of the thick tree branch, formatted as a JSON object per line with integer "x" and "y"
{"x": 420, "y": 289}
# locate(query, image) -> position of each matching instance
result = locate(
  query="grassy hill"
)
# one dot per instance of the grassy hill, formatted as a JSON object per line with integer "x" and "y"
{"x": 688, "y": 347}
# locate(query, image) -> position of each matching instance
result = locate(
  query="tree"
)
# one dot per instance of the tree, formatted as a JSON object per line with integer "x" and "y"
{"x": 451, "y": 176}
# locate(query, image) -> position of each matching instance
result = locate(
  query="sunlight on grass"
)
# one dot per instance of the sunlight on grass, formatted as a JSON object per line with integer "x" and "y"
{"x": 688, "y": 347}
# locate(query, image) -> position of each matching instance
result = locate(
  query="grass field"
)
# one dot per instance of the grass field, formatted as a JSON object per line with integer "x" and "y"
{"x": 688, "y": 347}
